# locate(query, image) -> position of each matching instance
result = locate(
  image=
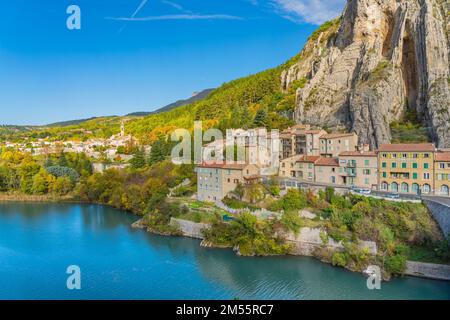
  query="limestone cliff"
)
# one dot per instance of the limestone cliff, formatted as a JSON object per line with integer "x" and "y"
{"x": 366, "y": 69}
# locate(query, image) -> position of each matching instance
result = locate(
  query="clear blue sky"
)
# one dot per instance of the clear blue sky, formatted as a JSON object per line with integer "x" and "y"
{"x": 138, "y": 55}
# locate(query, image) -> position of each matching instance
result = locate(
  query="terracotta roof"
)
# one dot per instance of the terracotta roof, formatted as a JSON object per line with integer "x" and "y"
{"x": 358, "y": 154}
{"x": 300, "y": 126}
{"x": 285, "y": 135}
{"x": 442, "y": 156}
{"x": 252, "y": 177}
{"x": 223, "y": 166}
{"x": 317, "y": 131}
{"x": 310, "y": 159}
{"x": 336, "y": 135}
{"x": 292, "y": 158}
{"x": 330, "y": 162}
{"x": 407, "y": 147}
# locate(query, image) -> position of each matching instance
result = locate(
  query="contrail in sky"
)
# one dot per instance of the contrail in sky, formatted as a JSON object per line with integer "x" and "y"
{"x": 143, "y": 3}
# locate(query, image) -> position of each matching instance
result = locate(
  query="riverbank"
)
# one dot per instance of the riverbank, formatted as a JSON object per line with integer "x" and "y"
{"x": 306, "y": 244}
{"x": 20, "y": 197}
{"x": 145, "y": 266}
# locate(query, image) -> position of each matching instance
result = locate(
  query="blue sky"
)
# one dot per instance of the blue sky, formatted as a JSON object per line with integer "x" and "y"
{"x": 138, "y": 55}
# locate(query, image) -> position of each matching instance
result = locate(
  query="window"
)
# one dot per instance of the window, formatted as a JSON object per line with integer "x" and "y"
{"x": 384, "y": 175}
{"x": 333, "y": 179}
{"x": 394, "y": 165}
{"x": 426, "y": 166}
{"x": 394, "y": 155}
{"x": 384, "y": 155}
{"x": 404, "y": 165}
{"x": 415, "y": 155}
{"x": 384, "y": 165}
{"x": 415, "y": 175}
{"x": 366, "y": 172}
{"x": 366, "y": 163}
{"x": 404, "y": 155}
{"x": 366, "y": 181}
{"x": 426, "y": 176}
{"x": 442, "y": 165}
{"x": 414, "y": 165}
{"x": 426, "y": 155}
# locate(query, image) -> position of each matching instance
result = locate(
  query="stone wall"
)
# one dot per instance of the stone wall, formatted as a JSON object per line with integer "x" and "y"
{"x": 428, "y": 270}
{"x": 189, "y": 228}
{"x": 441, "y": 214}
{"x": 308, "y": 240}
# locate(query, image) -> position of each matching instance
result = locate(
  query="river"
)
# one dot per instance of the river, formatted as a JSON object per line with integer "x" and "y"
{"x": 38, "y": 241}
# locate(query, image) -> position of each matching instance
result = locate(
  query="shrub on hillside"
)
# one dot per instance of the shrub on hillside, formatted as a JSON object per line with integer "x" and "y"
{"x": 60, "y": 171}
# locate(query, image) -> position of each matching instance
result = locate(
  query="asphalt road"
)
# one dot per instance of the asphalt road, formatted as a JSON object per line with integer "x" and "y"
{"x": 442, "y": 200}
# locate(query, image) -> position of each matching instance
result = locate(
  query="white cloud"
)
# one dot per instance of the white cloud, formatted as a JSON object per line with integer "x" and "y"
{"x": 178, "y": 17}
{"x": 173, "y": 5}
{"x": 310, "y": 11}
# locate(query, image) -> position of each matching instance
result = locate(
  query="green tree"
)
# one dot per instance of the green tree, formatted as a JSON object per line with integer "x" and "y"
{"x": 138, "y": 160}
{"x": 27, "y": 169}
{"x": 292, "y": 221}
{"x": 40, "y": 185}
{"x": 261, "y": 118}
{"x": 159, "y": 151}
{"x": 48, "y": 162}
{"x": 63, "y": 160}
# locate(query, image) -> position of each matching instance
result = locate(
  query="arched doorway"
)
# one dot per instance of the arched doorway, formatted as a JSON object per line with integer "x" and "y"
{"x": 415, "y": 188}
{"x": 384, "y": 186}
{"x": 394, "y": 187}
{"x": 426, "y": 188}
{"x": 405, "y": 187}
{"x": 445, "y": 190}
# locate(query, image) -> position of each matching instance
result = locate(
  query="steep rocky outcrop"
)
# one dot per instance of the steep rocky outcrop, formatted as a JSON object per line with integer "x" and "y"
{"x": 368, "y": 68}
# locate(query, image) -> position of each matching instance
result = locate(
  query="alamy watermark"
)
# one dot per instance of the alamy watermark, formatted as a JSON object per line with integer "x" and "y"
{"x": 73, "y": 21}
{"x": 236, "y": 146}
{"x": 74, "y": 280}
{"x": 374, "y": 279}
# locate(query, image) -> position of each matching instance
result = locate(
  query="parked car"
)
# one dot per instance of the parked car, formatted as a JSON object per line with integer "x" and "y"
{"x": 366, "y": 191}
{"x": 393, "y": 196}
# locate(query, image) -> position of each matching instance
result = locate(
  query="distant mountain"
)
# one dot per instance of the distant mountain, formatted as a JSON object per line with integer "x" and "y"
{"x": 197, "y": 96}
{"x": 74, "y": 122}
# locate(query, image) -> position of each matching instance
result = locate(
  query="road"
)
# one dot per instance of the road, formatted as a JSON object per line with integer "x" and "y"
{"x": 302, "y": 183}
{"x": 442, "y": 200}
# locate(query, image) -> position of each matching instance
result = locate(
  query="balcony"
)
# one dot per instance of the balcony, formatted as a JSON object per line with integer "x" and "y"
{"x": 351, "y": 164}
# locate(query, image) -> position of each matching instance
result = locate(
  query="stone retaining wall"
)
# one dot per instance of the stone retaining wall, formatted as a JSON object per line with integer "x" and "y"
{"x": 308, "y": 240}
{"x": 428, "y": 270}
{"x": 441, "y": 214}
{"x": 189, "y": 228}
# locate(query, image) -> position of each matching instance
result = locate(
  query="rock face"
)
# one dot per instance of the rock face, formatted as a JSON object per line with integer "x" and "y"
{"x": 381, "y": 59}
